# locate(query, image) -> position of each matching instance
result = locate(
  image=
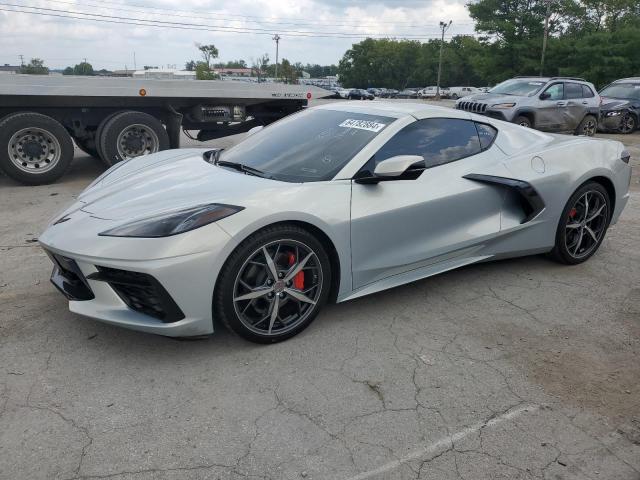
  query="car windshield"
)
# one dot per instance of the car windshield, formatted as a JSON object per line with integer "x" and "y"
{"x": 310, "y": 146}
{"x": 629, "y": 91}
{"x": 519, "y": 87}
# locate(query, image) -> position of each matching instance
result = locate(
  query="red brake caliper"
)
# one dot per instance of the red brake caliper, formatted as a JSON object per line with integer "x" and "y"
{"x": 298, "y": 280}
{"x": 572, "y": 212}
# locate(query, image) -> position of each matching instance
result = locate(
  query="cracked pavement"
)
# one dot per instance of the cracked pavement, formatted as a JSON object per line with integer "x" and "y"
{"x": 519, "y": 369}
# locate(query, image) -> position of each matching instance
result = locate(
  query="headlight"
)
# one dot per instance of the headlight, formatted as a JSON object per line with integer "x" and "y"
{"x": 173, "y": 223}
{"x": 614, "y": 113}
{"x": 503, "y": 105}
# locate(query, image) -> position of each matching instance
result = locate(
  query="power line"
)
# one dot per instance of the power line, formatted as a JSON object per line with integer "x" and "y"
{"x": 226, "y": 16}
{"x": 197, "y": 27}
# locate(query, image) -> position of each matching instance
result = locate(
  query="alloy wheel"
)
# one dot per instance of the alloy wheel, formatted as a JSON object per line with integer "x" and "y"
{"x": 627, "y": 123}
{"x": 589, "y": 127}
{"x": 586, "y": 224}
{"x": 277, "y": 287}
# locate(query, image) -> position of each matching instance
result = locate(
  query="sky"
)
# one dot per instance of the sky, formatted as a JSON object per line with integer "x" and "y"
{"x": 311, "y": 31}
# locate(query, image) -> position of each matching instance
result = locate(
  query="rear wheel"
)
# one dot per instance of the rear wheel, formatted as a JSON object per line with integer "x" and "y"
{"x": 588, "y": 126}
{"x": 128, "y": 135}
{"x": 523, "y": 121}
{"x": 273, "y": 285}
{"x": 583, "y": 224}
{"x": 34, "y": 149}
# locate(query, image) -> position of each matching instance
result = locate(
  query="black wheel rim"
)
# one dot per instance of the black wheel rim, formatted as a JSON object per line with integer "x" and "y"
{"x": 586, "y": 223}
{"x": 277, "y": 287}
{"x": 627, "y": 124}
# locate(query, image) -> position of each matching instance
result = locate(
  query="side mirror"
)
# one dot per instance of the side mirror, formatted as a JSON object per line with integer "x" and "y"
{"x": 392, "y": 168}
{"x": 396, "y": 166}
{"x": 545, "y": 96}
{"x": 254, "y": 130}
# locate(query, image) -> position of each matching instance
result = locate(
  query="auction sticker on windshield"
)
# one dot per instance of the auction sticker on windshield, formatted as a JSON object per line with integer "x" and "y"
{"x": 363, "y": 125}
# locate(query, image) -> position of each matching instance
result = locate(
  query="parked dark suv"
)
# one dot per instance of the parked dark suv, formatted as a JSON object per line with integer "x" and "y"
{"x": 620, "y": 111}
{"x": 552, "y": 104}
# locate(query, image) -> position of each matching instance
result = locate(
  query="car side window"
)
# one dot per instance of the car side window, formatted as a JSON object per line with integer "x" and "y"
{"x": 555, "y": 92}
{"x": 487, "y": 134}
{"x": 572, "y": 90}
{"x": 437, "y": 140}
{"x": 587, "y": 92}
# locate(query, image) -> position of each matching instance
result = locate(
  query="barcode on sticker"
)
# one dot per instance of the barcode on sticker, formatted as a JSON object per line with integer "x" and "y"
{"x": 362, "y": 125}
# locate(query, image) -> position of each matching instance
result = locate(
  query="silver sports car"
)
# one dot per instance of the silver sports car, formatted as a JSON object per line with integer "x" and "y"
{"x": 329, "y": 204}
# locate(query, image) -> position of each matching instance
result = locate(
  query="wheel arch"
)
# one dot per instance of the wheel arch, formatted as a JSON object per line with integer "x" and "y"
{"x": 608, "y": 186}
{"x": 332, "y": 252}
{"x": 526, "y": 112}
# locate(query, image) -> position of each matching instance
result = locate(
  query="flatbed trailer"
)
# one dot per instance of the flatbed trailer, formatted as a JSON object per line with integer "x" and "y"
{"x": 115, "y": 119}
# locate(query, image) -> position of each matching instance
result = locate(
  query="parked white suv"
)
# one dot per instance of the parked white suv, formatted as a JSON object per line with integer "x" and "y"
{"x": 459, "y": 92}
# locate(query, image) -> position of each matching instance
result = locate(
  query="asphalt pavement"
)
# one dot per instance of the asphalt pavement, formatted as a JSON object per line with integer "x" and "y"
{"x": 518, "y": 369}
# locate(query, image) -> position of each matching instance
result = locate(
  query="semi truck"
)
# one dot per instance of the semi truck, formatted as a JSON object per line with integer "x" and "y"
{"x": 115, "y": 119}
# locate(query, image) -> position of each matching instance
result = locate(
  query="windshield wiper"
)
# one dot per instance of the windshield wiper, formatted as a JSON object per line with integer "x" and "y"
{"x": 242, "y": 168}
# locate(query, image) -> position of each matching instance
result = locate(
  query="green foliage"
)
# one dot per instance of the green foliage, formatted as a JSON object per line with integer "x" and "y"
{"x": 232, "y": 64}
{"x": 595, "y": 39}
{"x": 190, "y": 66}
{"x": 35, "y": 67}
{"x": 203, "y": 72}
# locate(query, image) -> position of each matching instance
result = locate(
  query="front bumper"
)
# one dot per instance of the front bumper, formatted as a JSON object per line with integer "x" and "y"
{"x": 609, "y": 124}
{"x": 175, "y": 277}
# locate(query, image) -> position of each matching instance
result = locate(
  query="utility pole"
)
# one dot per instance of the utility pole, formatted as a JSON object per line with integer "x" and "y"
{"x": 444, "y": 26}
{"x": 134, "y": 61}
{"x": 21, "y": 60}
{"x": 277, "y": 37}
{"x": 546, "y": 36}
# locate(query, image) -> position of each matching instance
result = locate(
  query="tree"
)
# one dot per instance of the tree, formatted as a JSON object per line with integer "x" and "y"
{"x": 35, "y": 67}
{"x": 203, "y": 72}
{"x": 259, "y": 65}
{"x": 84, "y": 69}
{"x": 68, "y": 71}
{"x": 209, "y": 52}
{"x": 190, "y": 66}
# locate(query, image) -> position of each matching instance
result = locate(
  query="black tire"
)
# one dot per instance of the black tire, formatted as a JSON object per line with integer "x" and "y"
{"x": 99, "y": 134}
{"x": 454, "y": 96}
{"x": 523, "y": 121}
{"x": 628, "y": 123}
{"x": 88, "y": 146}
{"x": 146, "y": 133}
{"x": 224, "y": 306}
{"x": 49, "y": 142}
{"x": 588, "y": 126}
{"x": 561, "y": 251}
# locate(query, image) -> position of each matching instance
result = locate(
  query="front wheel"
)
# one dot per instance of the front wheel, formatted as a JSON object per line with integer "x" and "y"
{"x": 588, "y": 126}
{"x": 273, "y": 285}
{"x": 583, "y": 224}
{"x": 627, "y": 123}
{"x": 523, "y": 121}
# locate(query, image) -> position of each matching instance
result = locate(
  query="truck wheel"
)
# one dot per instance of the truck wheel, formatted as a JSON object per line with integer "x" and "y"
{"x": 131, "y": 134}
{"x": 34, "y": 149}
{"x": 98, "y": 136}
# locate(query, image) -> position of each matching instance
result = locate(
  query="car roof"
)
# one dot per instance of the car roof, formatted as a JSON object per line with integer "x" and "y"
{"x": 394, "y": 109}
{"x": 628, "y": 80}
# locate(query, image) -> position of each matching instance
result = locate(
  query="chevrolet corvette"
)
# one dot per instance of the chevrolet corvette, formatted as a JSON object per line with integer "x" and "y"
{"x": 326, "y": 205}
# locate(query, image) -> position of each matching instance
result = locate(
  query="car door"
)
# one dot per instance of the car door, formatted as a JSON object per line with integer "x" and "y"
{"x": 550, "y": 114}
{"x": 408, "y": 223}
{"x": 577, "y": 106}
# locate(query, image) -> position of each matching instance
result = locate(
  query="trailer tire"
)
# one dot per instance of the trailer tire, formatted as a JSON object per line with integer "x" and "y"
{"x": 131, "y": 134}
{"x": 34, "y": 149}
{"x": 98, "y": 136}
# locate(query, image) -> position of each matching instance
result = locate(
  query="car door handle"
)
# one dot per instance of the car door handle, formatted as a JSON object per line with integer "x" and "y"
{"x": 561, "y": 104}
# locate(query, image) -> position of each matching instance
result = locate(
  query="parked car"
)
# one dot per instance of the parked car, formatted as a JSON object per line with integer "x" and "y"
{"x": 180, "y": 241}
{"x": 388, "y": 93}
{"x": 430, "y": 92}
{"x": 374, "y": 91}
{"x": 552, "y": 104}
{"x": 620, "y": 110}
{"x": 459, "y": 92}
{"x": 407, "y": 93}
{"x": 360, "y": 94}
{"x": 344, "y": 92}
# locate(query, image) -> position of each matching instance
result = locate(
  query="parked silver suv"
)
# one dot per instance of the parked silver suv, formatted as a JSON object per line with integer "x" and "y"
{"x": 552, "y": 104}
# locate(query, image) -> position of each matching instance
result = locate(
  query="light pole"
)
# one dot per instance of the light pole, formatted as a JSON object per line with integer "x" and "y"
{"x": 444, "y": 26}
{"x": 277, "y": 37}
{"x": 546, "y": 36}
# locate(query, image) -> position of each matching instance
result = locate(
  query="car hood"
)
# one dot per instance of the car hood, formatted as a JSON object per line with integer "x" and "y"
{"x": 170, "y": 180}
{"x": 490, "y": 98}
{"x": 614, "y": 103}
